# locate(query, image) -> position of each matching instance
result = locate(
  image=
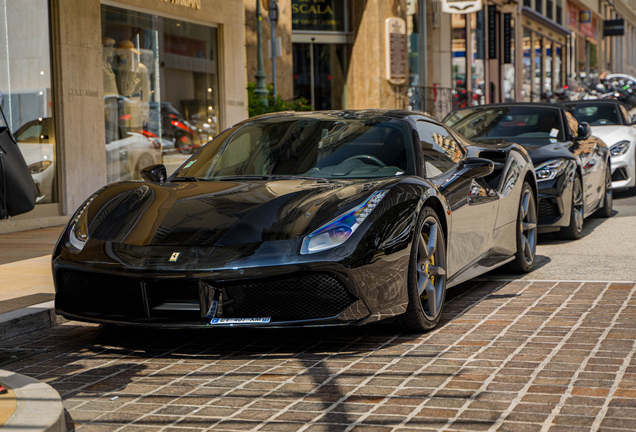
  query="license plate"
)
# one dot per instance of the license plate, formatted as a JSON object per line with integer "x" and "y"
{"x": 215, "y": 321}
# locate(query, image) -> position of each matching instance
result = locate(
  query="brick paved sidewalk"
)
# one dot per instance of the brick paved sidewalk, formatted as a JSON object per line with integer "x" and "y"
{"x": 510, "y": 356}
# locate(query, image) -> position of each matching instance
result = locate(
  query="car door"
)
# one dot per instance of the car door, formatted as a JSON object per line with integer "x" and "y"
{"x": 591, "y": 162}
{"x": 473, "y": 209}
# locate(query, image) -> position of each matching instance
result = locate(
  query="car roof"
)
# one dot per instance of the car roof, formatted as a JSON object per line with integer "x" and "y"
{"x": 517, "y": 104}
{"x": 378, "y": 113}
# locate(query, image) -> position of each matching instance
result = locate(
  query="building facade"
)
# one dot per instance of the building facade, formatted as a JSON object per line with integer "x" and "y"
{"x": 96, "y": 90}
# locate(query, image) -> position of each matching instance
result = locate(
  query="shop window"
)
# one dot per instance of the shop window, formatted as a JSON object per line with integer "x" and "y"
{"x": 160, "y": 90}
{"x": 477, "y": 40}
{"x": 25, "y": 81}
{"x": 547, "y": 82}
{"x": 459, "y": 51}
{"x": 527, "y": 66}
{"x": 509, "y": 68}
{"x": 539, "y": 77}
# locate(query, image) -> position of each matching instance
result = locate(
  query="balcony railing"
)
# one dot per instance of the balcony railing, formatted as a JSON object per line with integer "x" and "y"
{"x": 434, "y": 101}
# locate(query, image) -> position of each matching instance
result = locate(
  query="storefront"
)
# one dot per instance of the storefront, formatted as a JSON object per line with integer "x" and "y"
{"x": 320, "y": 52}
{"x": 483, "y": 60}
{"x": 545, "y": 46}
{"x": 113, "y": 87}
{"x": 586, "y": 55}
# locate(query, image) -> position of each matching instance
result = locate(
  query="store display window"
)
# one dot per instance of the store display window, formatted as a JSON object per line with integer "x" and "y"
{"x": 527, "y": 66}
{"x": 25, "y": 82}
{"x": 160, "y": 90}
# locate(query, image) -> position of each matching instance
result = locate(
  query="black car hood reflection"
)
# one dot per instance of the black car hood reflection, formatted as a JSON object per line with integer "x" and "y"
{"x": 539, "y": 149}
{"x": 221, "y": 213}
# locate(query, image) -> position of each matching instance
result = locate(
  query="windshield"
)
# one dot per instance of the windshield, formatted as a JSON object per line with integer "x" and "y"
{"x": 323, "y": 146}
{"x": 508, "y": 122}
{"x": 596, "y": 115}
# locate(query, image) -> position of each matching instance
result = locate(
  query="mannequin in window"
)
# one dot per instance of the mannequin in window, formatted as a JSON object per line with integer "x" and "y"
{"x": 133, "y": 82}
{"x": 110, "y": 90}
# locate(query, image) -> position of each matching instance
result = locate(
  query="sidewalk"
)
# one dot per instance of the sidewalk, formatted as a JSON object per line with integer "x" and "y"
{"x": 25, "y": 263}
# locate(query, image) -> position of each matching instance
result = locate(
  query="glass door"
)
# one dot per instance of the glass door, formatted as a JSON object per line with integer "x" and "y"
{"x": 320, "y": 74}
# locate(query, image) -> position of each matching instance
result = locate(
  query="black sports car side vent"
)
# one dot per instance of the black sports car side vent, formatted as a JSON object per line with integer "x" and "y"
{"x": 499, "y": 158}
{"x": 314, "y": 296}
{"x": 87, "y": 294}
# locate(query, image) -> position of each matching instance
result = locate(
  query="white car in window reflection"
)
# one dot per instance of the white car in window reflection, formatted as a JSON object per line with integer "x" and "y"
{"x": 125, "y": 157}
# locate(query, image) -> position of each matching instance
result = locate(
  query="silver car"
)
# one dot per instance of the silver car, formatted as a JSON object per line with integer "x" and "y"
{"x": 612, "y": 123}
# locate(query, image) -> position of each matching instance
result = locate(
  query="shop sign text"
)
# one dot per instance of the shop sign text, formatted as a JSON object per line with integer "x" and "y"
{"x": 194, "y": 4}
{"x": 321, "y": 15}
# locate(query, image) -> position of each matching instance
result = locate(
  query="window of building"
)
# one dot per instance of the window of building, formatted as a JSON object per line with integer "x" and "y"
{"x": 537, "y": 85}
{"x": 509, "y": 68}
{"x": 538, "y": 6}
{"x": 559, "y": 12}
{"x": 25, "y": 82}
{"x": 459, "y": 50}
{"x": 160, "y": 90}
{"x": 547, "y": 83}
{"x": 548, "y": 8}
{"x": 478, "y": 42}
{"x": 526, "y": 91}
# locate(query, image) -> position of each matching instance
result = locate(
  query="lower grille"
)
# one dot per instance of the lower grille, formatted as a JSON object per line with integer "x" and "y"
{"x": 89, "y": 293}
{"x": 620, "y": 174}
{"x": 314, "y": 296}
{"x": 548, "y": 208}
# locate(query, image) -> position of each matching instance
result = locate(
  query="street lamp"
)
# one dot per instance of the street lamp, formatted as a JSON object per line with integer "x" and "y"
{"x": 273, "y": 20}
{"x": 261, "y": 90}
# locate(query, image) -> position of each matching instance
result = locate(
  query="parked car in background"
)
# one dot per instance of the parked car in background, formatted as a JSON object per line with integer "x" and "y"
{"x": 612, "y": 123}
{"x": 572, "y": 166}
{"x": 177, "y": 134}
{"x": 301, "y": 219}
{"x": 37, "y": 144}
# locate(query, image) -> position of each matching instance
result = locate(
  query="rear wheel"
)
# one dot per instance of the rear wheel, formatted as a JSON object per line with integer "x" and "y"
{"x": 575, "y": 229}
{"x": 427, "y": 275}
{"x": 608, "y": 198}
{"x": 184, "y": 144}
{"x": 526, "y": 233}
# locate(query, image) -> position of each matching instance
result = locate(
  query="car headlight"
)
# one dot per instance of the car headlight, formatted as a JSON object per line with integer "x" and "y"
{"x": 551, "y": 169}
{"x": 38, "y": 167}
{"x": 619, "y": 148}
{"x": 339, "y": 230}
{"x": 77, "y": 233}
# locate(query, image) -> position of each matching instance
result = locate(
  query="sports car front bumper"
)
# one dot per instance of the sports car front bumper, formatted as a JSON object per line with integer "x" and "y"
{"x": 266, "y": 283}
{"x": 555, "y": 203}
{"x": 623, "y": 171}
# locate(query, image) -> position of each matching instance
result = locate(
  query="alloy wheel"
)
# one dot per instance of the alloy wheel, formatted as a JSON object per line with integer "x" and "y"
{"x": 528, "y": 226}
{"x": 431, "y": 268}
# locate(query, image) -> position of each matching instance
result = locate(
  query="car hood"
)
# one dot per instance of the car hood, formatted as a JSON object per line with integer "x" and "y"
{"x": 221, "y": 213}
{"x": 540, "y": 150}
{"x": 613, "y": 134}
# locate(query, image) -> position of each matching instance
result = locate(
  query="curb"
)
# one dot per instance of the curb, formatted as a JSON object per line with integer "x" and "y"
{"x": 28, "y": 319}
{"x": 40, "y": 407}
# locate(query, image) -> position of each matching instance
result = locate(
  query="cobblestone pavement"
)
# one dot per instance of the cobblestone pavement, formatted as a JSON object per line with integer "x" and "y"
{"x": 508, "y": 356}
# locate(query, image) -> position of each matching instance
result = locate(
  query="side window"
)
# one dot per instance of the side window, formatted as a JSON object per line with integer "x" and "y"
{"x": 441, "y": 151}
{"x": 573, "y": 124}
{"x": 626, "y": 116}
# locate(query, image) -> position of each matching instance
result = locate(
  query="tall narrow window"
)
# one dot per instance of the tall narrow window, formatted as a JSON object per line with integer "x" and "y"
{"x": 25, "y": 81}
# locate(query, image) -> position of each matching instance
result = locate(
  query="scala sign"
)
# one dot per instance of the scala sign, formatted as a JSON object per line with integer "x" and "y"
{"x": 321, "y": 15}
{"x": 461, "y": 6}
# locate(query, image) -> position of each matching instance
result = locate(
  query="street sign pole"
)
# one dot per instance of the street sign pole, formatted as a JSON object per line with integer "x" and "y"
{"x": 273, "y": 20}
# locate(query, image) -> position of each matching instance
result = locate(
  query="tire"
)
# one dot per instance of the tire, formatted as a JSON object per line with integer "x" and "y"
{"x": 426, "y": 275}
{"x": 575, "y": 229}
{"x": 608, "y": 198}
{"x": 184, "y": 144}
{"x": 526, "y": 233}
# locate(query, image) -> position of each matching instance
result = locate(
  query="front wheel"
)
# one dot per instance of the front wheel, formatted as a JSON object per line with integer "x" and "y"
{"x": 575, "y": 229}
{"x": 526, "y": 232}
{"x": 608, "y": 198}
{"x": 427, "y": 275}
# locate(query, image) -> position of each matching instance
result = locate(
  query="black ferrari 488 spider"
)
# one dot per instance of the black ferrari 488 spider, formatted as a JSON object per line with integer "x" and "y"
{"x": 301, "y": 219}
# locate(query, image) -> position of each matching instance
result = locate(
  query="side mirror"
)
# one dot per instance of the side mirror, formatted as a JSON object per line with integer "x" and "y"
{"x": 476, "y": 167}
{"x": 154, "y": 173}
{"x": 584, "y": 131}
